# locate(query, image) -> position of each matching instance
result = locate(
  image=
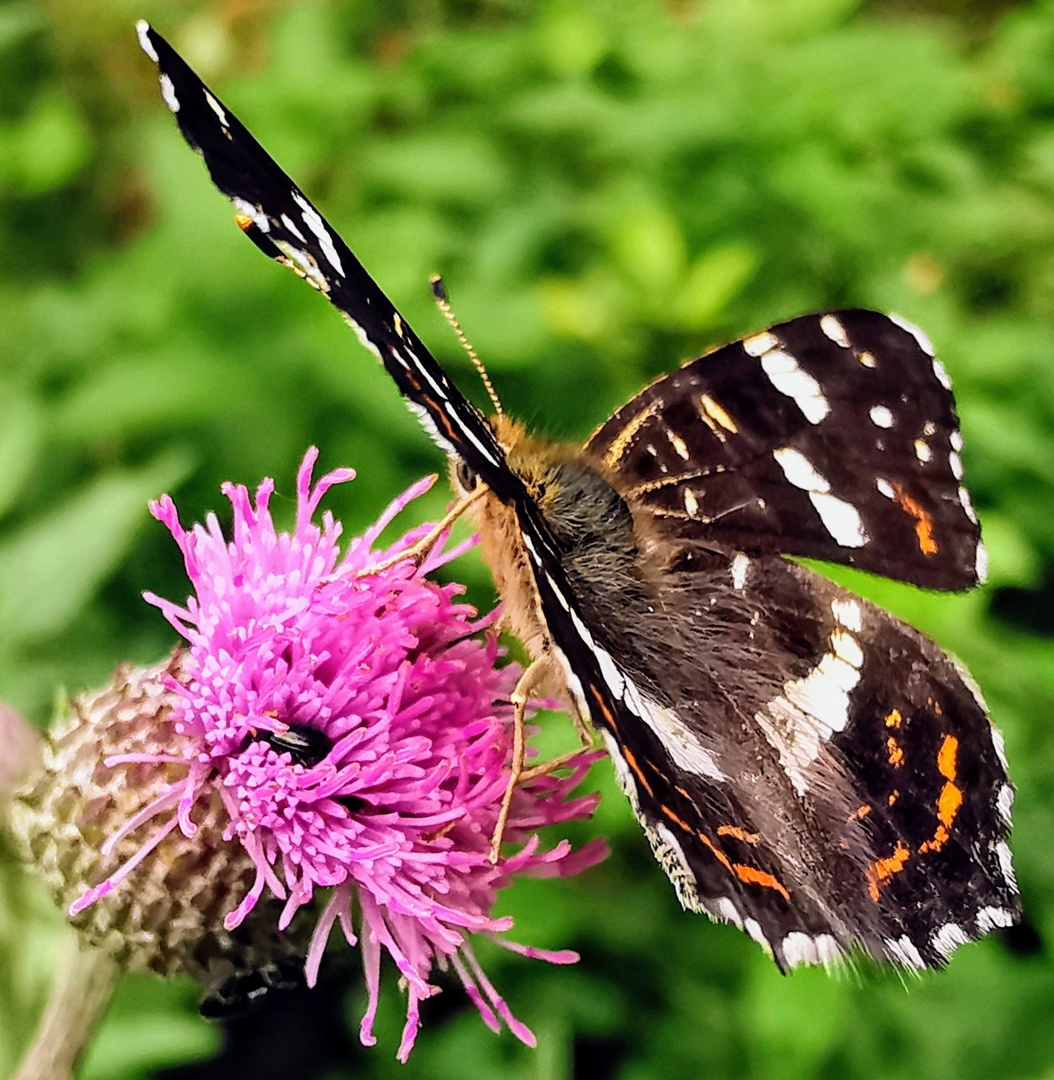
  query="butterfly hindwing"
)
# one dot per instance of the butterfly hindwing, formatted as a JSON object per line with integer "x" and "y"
{"x": 276, "y": 215}
{"x": 804, "y": 765}
{"x": 830, "y": 436}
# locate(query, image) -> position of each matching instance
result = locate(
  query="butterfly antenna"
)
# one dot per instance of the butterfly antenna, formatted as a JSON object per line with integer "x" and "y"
{"x": 443, "y": 303}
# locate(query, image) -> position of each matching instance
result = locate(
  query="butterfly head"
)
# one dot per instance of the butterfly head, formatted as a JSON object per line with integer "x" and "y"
{"x": 565, "y": 490}
{"x": 535, "y": 462}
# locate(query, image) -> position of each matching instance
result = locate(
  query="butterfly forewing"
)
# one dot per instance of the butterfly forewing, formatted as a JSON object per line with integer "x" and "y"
{"x": 276, "y": 215}
{"x": 829, "y": 436}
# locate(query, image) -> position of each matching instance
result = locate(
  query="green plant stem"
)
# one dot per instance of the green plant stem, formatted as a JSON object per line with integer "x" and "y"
{"x": 83, "y": 987}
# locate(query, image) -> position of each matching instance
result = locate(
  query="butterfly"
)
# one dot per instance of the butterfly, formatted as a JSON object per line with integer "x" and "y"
{"x": 805, "y": 765}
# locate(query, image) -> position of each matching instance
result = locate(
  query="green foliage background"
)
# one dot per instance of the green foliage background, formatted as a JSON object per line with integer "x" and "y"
{"x": 609, "y": 187}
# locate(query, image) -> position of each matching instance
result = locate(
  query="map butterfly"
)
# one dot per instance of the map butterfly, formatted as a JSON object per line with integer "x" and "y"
{"x": 804, "y": 765}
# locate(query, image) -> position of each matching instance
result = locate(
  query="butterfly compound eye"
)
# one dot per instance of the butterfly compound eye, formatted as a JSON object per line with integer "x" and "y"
{"x": 467, "y": 477}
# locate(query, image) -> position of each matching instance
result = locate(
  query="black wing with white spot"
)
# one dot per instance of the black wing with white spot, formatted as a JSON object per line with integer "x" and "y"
{"x": 276, "y": 215}
{"x": 805, "y": 765}
{"x": 830, "y": 436}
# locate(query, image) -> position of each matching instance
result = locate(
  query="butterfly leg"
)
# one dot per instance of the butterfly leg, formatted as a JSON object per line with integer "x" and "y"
{"x": 521, "y": 694}
{"x": 533, "y": 676}
{"x": 419, "y": 550}
{"x": 585, "y": 732}
{"x": 553, "y": 764}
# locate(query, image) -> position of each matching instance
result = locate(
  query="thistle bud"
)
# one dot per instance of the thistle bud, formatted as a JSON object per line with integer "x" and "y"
{"x": 84, "y": 820}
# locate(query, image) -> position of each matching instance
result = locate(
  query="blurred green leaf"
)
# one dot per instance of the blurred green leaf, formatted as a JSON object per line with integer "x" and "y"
{"x": 21, "y": 418}
{"x": 32, "y": 938}
{"x": 712, "y": 282}
{"x": 19, "y": 19}
{"x": 1011, "y": 559}
{"x": 143, "y": 394}
{"x": 50, "y": 568}
{"x": 571, "y": 39}
{"x": 648, "y": 246}
{"x": 151, "y": 1024}
{"x": 45, "y": 149}
{"x": 793, "y": 1020}
{"x": 437, "y": 166}
{"x": 588, "y": 309}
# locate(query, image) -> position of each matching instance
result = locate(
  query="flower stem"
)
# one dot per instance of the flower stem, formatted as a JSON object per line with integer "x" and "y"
{"x": 86, "y": 981}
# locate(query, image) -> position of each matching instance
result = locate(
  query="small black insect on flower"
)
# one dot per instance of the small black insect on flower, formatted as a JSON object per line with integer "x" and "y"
{"x": 306, "y": 745}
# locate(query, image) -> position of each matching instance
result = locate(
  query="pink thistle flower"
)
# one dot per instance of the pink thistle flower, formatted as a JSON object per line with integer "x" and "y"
{"x": 359, "y": 734}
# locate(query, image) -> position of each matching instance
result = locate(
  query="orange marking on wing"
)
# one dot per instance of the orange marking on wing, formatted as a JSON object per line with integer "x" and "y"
{"x": 861, "y": 812}
{"x": 896, "y": 752}
{"x": 946, "y": 757}
{"x": 951, "y": 797}
{"x": 677, "y": 820}
{"x": 739, "y": 834}
{"x": 893, "y": 796}
{"x": 243, "y": 221}
{"x": 894, "y": 719}
{"x": 609, "y": 717}
{"x": 631, "y": 761}
{"x": 880, "y": 872}
{"x": 681, "y": 791}
{"x": 745, "y": 873}
{"x": 602, "y": 704}
{"x": 923, "y": 521}
{"x": 936, "y": 842}
{"x": 440, "y": 415}
{"x": 721, "y": 857}
{"x": 760, "y": 877}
